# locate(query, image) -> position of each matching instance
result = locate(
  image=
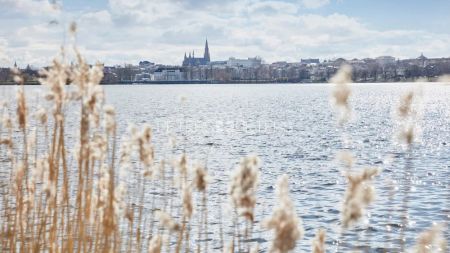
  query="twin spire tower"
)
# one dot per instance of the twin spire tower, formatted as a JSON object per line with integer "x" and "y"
{"x": 192, "y": 61}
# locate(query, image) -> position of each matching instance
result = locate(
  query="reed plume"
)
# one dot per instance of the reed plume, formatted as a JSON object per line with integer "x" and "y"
{"x": 155, "y": 244}
{"x": 200, "y": 178}
{"x": 243, "y": 186}
{"x": 407, "y": 117}
{"x": 284, "y": 221}
{"x": 346, "y": 158}
{"x": 359, "y": 194}
{"x": 341, "y": 93}
{"x": 431, "y": 241}
{"x": 166, "y": 221}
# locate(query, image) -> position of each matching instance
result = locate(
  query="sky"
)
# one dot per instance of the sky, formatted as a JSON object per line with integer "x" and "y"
{"x": 128, "y": 31}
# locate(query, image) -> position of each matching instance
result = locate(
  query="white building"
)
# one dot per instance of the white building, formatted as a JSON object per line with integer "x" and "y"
{"x": 142, "y": 77}
{"x": 168, "y": 74}
{"x": 385, "y": 60}
{"x": 245, "y": 63}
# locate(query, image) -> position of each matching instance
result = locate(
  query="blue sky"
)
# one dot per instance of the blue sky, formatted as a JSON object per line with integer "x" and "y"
{"x": 126, "y": 31}
{"x": 381, "y": 14}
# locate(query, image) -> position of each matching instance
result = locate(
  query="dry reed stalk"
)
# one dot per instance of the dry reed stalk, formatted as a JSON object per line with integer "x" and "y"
{"x": 407, "y": 131}
{"x": 200, "y": 182}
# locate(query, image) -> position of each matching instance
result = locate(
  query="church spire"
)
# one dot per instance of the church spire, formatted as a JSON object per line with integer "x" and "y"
{"x": 206, "y": 56}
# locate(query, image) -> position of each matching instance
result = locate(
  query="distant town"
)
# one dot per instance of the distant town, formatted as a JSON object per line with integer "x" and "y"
{"x": 253, "y": 70}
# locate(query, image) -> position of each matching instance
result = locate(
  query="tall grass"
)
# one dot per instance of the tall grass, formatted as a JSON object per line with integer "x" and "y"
{"x": 118, "y": 197}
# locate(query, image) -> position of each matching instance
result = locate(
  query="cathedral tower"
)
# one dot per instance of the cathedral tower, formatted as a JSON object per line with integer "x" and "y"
{"x": 206, "y": 56}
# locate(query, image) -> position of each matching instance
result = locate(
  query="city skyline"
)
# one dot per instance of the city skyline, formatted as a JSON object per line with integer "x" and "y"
{"x": 119, "y": 31}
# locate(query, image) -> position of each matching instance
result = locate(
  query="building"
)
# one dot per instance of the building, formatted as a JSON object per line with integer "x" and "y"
{"x": 192, "y": 61}
{"x": 385, "y": 60}
{"x": 168, "y": 74}
{"x": 244, "y": 63}
{"x": 422, "y": 60}
{"x": 146, "y": 64}
{"x": 143, "y": 77}
{"x": 310, "y": 61}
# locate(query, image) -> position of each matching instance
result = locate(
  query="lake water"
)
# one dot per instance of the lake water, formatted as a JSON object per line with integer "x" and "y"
{"x": 293, "y": 130}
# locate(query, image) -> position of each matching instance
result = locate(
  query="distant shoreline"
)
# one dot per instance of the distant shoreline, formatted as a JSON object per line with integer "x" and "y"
{"x": 127, "y": 83}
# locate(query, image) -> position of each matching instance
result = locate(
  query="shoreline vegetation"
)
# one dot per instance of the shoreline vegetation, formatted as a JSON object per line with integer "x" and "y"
{"x": 111, "y": 194}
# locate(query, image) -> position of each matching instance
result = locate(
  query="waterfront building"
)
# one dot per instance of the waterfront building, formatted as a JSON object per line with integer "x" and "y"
{"x": 191, "y": 60}
{"x": 309, "y": 61}
{"x": 218, "y": 64}
{"x": 244, "y": 63}
{"x": 422, "y": 60}
{"x": 146, "y": 64}
{"x": 385, "y": 60}
{"x": 143, "y": 77}
{"x": 168, "y": 74}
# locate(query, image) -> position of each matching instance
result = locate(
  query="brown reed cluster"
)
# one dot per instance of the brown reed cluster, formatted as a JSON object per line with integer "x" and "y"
{"x": 56, "y": 202}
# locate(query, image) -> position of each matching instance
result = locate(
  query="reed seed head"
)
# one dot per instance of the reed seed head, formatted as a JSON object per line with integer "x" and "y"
{"x": 407, "y": 117}
{"x": 166, "y": 221}
{"x": 73, "y": 28}
{"x": 110, "y": 122}
{"x": 6, "y": 120}
{"x": 359, "y": 194}
{"x": 284, "y": 221}
{"x": 21, "y": 108}
{"x": 41, "y": 116}
{"x": 243, "y": 186}
{"x": 346, "y": 158}
{"x": 341, "y": 93}
{"x": 431, "y": 241}
{"x": 201, "y": 178}
{"x": 155, "y": 244}
{"x": 188, "y": 207}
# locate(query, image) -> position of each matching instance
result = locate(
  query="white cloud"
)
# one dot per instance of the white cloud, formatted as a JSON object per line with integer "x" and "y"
{"x": 314, "y": 4}
{"x": 161, "y": 31}
{"x": 101, "y": 18}
{"x": 29, "y": 7}
{"x": 142, "y": 11}
{"x": 4, "y": 59}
